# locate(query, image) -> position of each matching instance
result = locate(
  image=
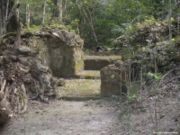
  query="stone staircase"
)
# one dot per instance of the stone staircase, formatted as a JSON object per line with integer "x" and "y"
{"x": 93, "y": 65}
{"x": 98, "y": 62}
{"x": 87, "y": 83}
{"x": 88, "y": 74}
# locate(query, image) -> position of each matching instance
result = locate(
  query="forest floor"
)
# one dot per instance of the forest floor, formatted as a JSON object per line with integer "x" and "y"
{"x": 97, "y": 116}
{"x": 93, "y": 117}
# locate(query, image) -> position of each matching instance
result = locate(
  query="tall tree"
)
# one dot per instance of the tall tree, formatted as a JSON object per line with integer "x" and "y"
{"x": 58, "y": 10}
{"x": 44, "y": 12}
{"x": 9, "y": 16}
{"x": 6, "y": 9}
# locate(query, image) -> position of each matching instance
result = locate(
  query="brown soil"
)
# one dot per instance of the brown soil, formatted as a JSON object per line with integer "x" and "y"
{"x": 98, "y": 117}
{"x": 103, "y": 116}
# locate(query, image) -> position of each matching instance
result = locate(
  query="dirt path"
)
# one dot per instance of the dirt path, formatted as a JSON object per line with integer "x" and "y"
{"x": 112, "y": 116}
{"x": 93, "y": 117}
{"x": 98, "y": 117}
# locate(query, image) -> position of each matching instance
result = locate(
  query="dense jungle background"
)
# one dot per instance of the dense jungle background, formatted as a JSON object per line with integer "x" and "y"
{"x": 99, "y": 22}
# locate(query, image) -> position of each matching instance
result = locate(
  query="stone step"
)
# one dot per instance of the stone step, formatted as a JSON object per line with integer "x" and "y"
{"x": 98, "y": 62}
{"x": 79, "y": 89}
{"x": 88, "y": 74}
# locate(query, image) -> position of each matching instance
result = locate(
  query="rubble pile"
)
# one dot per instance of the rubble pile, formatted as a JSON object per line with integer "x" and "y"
{"x": 22, "y": 77}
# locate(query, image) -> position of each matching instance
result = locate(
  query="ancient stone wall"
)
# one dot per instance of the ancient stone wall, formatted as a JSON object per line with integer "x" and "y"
{"x": 64, "y": 61}
{"x": 61, "y": 50}
{"x": 25, "y": 69}
{"x": 116, "y": 78}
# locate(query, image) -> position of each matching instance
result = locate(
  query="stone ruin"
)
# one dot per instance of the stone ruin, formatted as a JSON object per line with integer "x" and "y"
{"x": 155, "y": 53}
{"x": 61, "y": 50}
{"x": 115, "y": 78}
{"x": 27, "y": 71}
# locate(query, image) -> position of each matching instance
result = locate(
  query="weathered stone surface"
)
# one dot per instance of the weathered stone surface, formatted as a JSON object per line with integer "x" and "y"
{"x": 65, "y": 61}
{"x": 59, "y": 82}
{"x": 61, "y": 50}
{"x": 88, "y": 74}
{"x": 99, "y": 62}
{"x": 22, "y": 76}
{"x": 26, "y": 69}
{"x": 25, "y": 50}
{"x": 116, "y": 77}
{"x": 5, "y": 113}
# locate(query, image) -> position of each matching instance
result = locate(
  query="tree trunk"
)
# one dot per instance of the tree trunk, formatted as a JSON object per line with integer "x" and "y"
{"x": 18, "y": 29}
{"x": 170, "y": 15}
{"x": 58, "y": 11}
{"x": 5, "y": 9}
{"x": 9, "y": 17}
{"x": 88, "y": 19}
{"x": 44, "y": 12}
{"x": 64, "y": 7}
{"x": 28, "y": 15}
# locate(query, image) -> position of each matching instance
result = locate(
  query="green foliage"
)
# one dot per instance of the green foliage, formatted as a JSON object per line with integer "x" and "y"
{"x": 154, "y": 76}
{"x": 33, "y": 28}
{"x": 99, "y": 22}
{"x": 133, "y": 91}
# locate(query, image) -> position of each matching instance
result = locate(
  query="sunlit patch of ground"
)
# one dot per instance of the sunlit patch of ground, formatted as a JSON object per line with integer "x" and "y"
{"x": 88, "y": 74}
{"x": 111, "y": 57}
{"x": 80, "y": 88}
